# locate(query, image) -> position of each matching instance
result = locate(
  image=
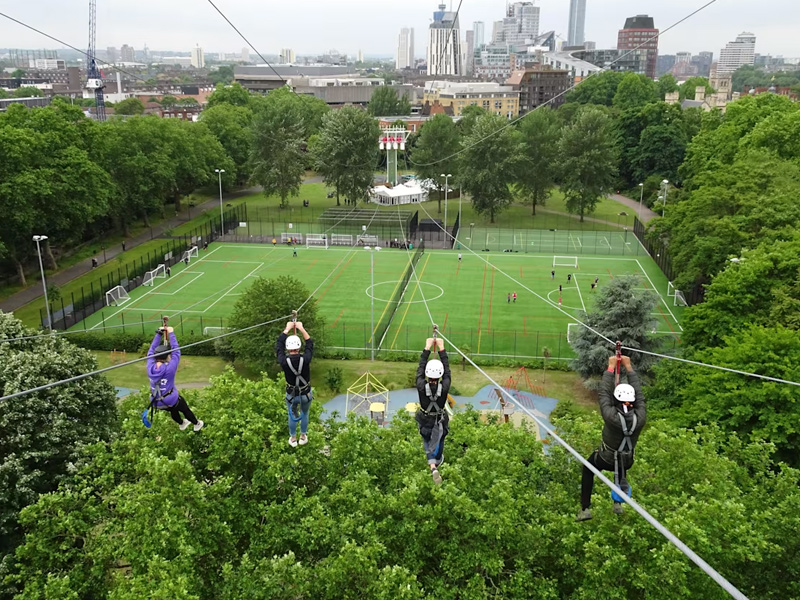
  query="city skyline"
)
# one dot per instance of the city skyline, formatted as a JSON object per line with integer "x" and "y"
{"x": 359, "y": 26}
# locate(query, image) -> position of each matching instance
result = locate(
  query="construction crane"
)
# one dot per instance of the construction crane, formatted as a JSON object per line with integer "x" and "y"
{"x": 94, "y": 78}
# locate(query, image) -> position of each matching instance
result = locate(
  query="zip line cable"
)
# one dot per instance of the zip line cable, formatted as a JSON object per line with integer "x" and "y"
{"x": 672, "y": 538}
{"x": 594, "y": 331}
{"x": 569, "y": 89}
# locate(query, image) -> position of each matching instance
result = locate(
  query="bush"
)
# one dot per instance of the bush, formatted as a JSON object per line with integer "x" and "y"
{"x": 137, "y": 343}
{"x": 334, "y": 379}
{"x": 224, "y": 349}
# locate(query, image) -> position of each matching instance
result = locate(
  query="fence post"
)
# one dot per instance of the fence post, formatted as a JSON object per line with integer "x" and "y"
{"x": 122, "y": 316}
{"x": 141, "y": 318}
{"x": 559, "y": 344}
{"x": 181, "y": 324}
{"x": 344, "y": 336}
{"x": 201, "y": 324}
{"x": 515, "y": 344}
{"x": 537, "y": 344}
{"x": 103, "y": 316}
{"x": 366, "y": 351}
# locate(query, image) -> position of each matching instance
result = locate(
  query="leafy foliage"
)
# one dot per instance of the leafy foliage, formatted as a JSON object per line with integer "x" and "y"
{"x": 599, "y": 88}
{"x": 129, "y": 106}
{"x": 386, "y": 102}
{"x": 233, "y": 94}
{"x": 634, "y": 91}
{"x": 540, "y": 133}
{"x": 435, "y": 151}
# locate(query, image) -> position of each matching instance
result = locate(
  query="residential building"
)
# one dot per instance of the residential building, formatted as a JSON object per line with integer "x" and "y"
{"x": 287, "y": 56}
{"x": 478, "y": 28}
{"x": 469, "y": 53}
{"x": 640, "y": 37}
{"x": 737, "y": 53}
{"x": 499, "y": 99}
{"x": 444, "y": 44}
{"x": 577, "y": 67}
{"x": 577, "y": 23}
{"x": 29, "y": 102}
{"x": 493, "y": 62}
{"x": 112, "y": 55}
{"x": 540, "y": 85}
{"x": 413, "y": 123}
{"x": 245, "y": 55}
{"x": 198, "y": 59}
{"x": 405, "y": 49}
{"x": 360, "y": 56}
{"x": 702, "y": 62}
{"x": 127, "y": 53}
{"x": 664, "y": 64}
{"x": 520, "y": 25}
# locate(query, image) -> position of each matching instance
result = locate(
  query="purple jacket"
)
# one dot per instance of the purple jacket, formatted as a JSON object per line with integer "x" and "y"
{"x": 162, "y": 378}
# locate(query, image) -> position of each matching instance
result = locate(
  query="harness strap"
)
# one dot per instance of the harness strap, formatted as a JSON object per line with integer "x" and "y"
{"x": 300, "y": 382}
{"x": 433, "y": 406}
{"x": 627, "y": 445}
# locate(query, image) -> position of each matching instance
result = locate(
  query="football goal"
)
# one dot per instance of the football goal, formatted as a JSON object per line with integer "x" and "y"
{"x": 160, "y": 272}
{"x": 117, "y": 296}
{"x": 565, "y": 261}
{"x": 288, "y": 237}
{"x": 680, "y": 299}
{"x": 190, "y": 254}
{"x": 368, "y": 240}
{"x": 316, "y": 240}
{"x": 212, "y": 331}
{"x": 670, "y": 290}
{"x": 341, "y": 239}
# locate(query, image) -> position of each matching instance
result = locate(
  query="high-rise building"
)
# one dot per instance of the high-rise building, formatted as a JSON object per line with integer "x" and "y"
{"x": 360, "y": 56}
{"x": 127, "y": 53}
{"x": 469, "y": 53}
{"x": 497, "y": 32}
{"x": 737, "y": 53}
{"x": 444, "y": 44}
{"x": 577, "y": 23}
{"x": 703, "y": 62}
{"x": 198, "y": 59}
{"x": 520, "y": 25}
{"x": 112, "y": 55}
{"x": 287, "y": 56}
{"x": 640, "y": 37}
{"x": 478, "y": 27}
{"x": 246, "y": 54}
{"x": 405, "y": 49}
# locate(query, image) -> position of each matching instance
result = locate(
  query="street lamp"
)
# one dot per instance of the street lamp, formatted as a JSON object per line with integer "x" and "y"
{"x": 372, "y": 297}
{"x": 665, "y": 183}
{"x": 219, "y": 172}
{"x": 471, "y": 225}
{"x": 641, "y": 197}
{"x": 37, "y": 239}
{"x": 446, "y": 178}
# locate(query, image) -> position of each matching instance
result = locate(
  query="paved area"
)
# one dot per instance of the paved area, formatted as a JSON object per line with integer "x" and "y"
{"x": 647, "y": 214}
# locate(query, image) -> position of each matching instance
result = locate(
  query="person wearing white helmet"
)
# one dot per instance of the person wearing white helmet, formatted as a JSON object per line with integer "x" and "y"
{"x": 433, "y": 385}
{"x": 296, "y": 368}
{"x": 624, "y": 414}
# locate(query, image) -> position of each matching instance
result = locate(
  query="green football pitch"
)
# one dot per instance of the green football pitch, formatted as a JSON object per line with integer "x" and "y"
{"x": 467, "y": 299}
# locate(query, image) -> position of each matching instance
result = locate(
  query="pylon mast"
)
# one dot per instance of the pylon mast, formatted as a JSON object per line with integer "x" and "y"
{"x": 94, "y": 78}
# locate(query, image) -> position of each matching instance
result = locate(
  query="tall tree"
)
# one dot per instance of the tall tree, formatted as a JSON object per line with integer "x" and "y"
{"x": 490, "y": 161}
{"x": 634, "y": 91}
{"x": 621, "y": 313}
{"x": 588, "y": 161}
{"x": 540, "y": 132}
{"x": 278, "y": 160}
{"x": 598, "y": 88}
{"x": 386, "y": 102}
{"x": 689, "y": 87}
{"x": 435, "y": 151}
{"x": 666, "y": 84}
{"x": 232, "y": 94}
{"x": 232, "y": 126}
{"x": 129, "y": 106}
{"x": 346, "y": 152}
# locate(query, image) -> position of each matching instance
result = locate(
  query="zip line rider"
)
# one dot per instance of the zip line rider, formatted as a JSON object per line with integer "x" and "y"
{"x": 162, "y": 365}
{"x": 433, "y": 386}
{"x": 296, "y": 368}
{"x": 624, "y": 413}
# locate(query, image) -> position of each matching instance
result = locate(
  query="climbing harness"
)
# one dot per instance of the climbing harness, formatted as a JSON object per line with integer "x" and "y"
{"x": 623, "y": 454}
{"x": 149, "y": 413}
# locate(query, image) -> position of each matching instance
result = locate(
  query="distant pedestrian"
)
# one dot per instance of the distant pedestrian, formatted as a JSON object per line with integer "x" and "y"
{"x": 559, "y": 300}
{"x": 509, "y": 298}
{"x": 459, "y": 257}
{"x": 205, "y": 245}
{"x": 123, "y": 245}
{"x": 94, "y": 263}
{"x": 569, "y": 277}
{"x": 559, "y": 289}
{"x": 552, "y": 274}
{"x": 596, "y": 280}
{"x": 274, "y": 242}
{"x": 169, "y": 272}
{"x": 186, "y": 260}
{"x": 294, "y": 252}
{"x": 514, "y": 296}
{"x": 593, "y": 286}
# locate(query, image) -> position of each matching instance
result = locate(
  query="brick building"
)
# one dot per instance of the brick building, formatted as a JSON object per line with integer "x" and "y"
{"x": 539, "y": 85}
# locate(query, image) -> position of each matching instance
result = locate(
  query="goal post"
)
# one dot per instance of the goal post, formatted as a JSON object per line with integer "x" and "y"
{"x": 565, "y": 261}
{"x": 680, "y": 299}
{"x": 212, "y": 331}
{"x": 670, "y": 290}
{"x": 316, "y": 240}
{"x": 368, "y": 239}
{"x": 117, "y": 296}
{"x": 341, "y": 239}
{"x": 190, "y": 254}
{"x": 288, "y": 237}
{"x": 160, "y": 272}
{"x": 572, "y": 332}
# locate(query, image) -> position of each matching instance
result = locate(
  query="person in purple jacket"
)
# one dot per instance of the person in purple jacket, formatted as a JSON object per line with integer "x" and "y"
{"x": 162, "y": 365}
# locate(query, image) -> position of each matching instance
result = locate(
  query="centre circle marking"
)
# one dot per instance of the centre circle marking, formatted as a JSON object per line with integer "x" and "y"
{"x": 394, "y": 283}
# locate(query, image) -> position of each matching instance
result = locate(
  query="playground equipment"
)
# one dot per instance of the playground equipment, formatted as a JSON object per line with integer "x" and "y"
{"x": 368, "y": 396}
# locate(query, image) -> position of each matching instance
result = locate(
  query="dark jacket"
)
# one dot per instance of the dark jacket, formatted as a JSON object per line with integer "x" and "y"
{"x": 610, "y": 408}
{"x": 162, "y": 377}
{"x": 424, "y": 401}
{"x": 283, "y": 360}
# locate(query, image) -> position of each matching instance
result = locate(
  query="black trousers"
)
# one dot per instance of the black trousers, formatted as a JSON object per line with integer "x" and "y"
{"x": 181, "y": 407}
{"x": 587, "y": 480}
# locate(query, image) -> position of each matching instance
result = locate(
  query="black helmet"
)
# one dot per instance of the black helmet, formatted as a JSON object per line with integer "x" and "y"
{"x": 162, "y": 351}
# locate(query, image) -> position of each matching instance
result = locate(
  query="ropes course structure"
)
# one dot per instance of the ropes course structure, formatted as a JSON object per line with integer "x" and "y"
{"x": 672, "y": 538}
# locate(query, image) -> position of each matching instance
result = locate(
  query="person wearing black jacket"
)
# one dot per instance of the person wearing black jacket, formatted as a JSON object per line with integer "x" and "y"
{"x": 624, "y": 414}
{"x": 296, "y": 368}
{"x": 433, "y": 385}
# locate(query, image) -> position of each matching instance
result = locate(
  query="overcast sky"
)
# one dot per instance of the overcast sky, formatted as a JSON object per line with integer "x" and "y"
{"x": 314, "y": 26}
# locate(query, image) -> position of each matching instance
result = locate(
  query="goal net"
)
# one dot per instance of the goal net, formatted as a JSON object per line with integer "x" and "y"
{"x": 572, "y": 332}
{"x": 160, "y": 272}
{"x": 190, "y": 254}
{"x": 565, "y": 261}
{"x": 341, "y": 239}
{"x": 368, "y": 240}
{"x": 680, "y": 299}
{"x": 316, "y": 240}
{"x": 212, "y": 331}
{"x": 117, "y": 296}
{"x": 670, "y": 290}
{"x": 288, "y": 237}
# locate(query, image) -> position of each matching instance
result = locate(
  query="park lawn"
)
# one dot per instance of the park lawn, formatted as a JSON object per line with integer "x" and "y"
{"x": 192, "y": 370}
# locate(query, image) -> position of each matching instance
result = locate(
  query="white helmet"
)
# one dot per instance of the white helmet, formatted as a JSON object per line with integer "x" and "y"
{"x": 434, "y": 369}
{"x": 293, "y": 342}
{"x": 624, "y": 392}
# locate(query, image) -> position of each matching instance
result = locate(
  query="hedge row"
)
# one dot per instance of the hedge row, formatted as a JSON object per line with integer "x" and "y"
{"x": 136, "y": 343}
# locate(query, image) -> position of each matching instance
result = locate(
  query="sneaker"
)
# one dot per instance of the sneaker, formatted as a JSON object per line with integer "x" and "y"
{"x": 303, "y": 439}
{"x": 293, "y": 442}
{"x": 437, "y": 478}
{"x": 618, "y": 508}
{"x": 198, "y": 426}
{"x": 184, "y": 425}
{"x": 584, "y": 515}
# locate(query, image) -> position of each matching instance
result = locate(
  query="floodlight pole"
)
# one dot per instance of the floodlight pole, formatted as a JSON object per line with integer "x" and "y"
{"x": 446, "y": 179}
{"x": 665, "y": 183}
{"x": 37, "y": 239}
{"x": 641, "y": 198}
{"x": 219, "y": 173}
